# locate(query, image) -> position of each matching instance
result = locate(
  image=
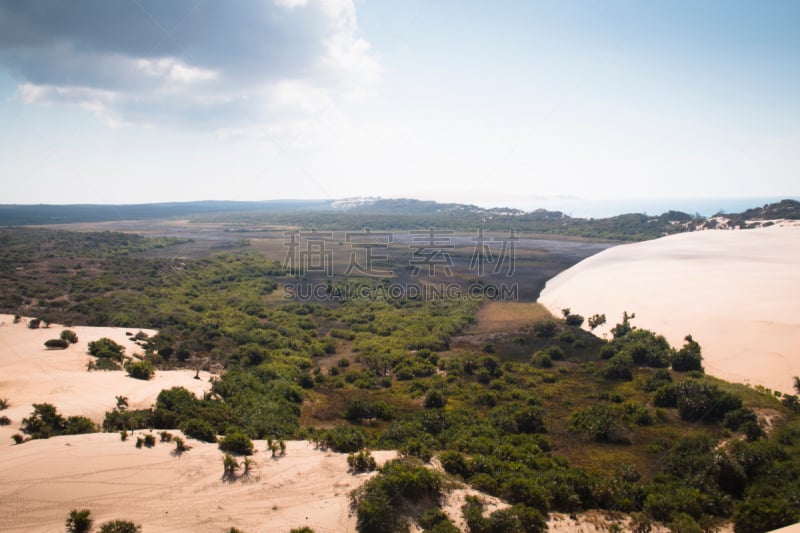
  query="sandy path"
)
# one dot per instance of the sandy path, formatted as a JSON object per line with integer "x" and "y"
{"x": 43, "y": 480}
{"x": 736, "y": 292}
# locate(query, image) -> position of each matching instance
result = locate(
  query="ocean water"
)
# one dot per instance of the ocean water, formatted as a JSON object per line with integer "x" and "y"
{"x": 600, "y": 208}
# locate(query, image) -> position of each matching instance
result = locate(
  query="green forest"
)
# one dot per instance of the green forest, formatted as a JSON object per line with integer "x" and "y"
{"x": 548, "y": 417}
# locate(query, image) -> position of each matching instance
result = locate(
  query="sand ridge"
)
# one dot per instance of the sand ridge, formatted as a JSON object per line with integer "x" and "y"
{"x": 736, "y": 292}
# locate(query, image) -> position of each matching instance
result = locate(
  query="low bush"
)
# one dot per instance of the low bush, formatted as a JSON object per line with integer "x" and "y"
{"x": 236, "y": 442}
{"x": 56, "y": 344}
{"x": 140, "y": 370}
{"x": 361, "y": 462}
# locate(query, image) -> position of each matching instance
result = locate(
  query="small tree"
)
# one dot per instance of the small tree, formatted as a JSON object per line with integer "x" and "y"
{"x": 797, "y": 384}
{"x": 689, "y": 357}
{"x": 140, "y": 370}
{"x": 122, "y": 403}
{"x": 199, "y": 429}
{"x": 622, "y": 329}
{"x": 236, "y": 442}
{"x": 361, "y": 462}
{"x": 573, "y": 320}
{"x": 79, "y": 521}
{"x": 434, "y": 399}
{"x": 596, "y": 321}
{"x": 105, "y": 348}
{"x": 69, "y": 336}
{"x": 34, "y": 323}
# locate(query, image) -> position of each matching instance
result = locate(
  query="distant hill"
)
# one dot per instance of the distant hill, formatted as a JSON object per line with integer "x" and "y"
{"x": 398, "y": 214}
{"x": 785, "y": 209}
{"x": 28, "y": 215}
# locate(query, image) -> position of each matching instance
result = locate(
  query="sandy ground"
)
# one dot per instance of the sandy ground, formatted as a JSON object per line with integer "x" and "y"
{"x": 736, "y": 292}
{"x": 30, "y": 373}
{"x": 43, "y": 480}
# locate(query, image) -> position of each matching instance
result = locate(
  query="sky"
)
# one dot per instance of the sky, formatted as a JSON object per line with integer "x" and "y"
{"x": 495, "y": 103}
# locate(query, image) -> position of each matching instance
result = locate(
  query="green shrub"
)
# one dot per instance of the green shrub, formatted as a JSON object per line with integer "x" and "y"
{"x": 619, "y": 366}
{"x": 105, "y": 348}
{"x": 666, "y": 396}
{"x": 434, "y": 399}
{"x": 199, "y": 429}
{"x": 454, "y": 462}
{"x": 660, "y": 377}
{"x": 44, "y": 422}
{"x": 688, "y": 358}
{"x": 383, "y": 502}
{"x": 180, "y": 445}
{"x": 360, "y": 409}
{"x": 77, "y": 425}
{"x": 56, "y": 344}
{"x": 436, "y": 520}
{"x": 755, "y": 515}
{"x": 573, "y": 320}
{"x": 140, "y": 370}
{"x": 69, "y": 336}
{"x": 236, "y": 442}
{"x": 736, "y": 419}
{"x": 702, "y": 401}
{"x": 598, "y": 422}
{"x": 344, "y": 439}
{"x": 120, "y": 526}
{"x": 361, "y": 462}
{"x": 545, "y": 328}
{"x": 542, "y": 359}
{"x": 79, "y": 521}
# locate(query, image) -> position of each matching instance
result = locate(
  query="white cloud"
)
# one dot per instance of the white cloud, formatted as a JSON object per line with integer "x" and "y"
{"x": 241, "y": 65}
{"x": 171, "y": 69}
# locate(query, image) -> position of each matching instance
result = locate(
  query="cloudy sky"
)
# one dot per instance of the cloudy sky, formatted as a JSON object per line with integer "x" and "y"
{"x": 144, "y": 100}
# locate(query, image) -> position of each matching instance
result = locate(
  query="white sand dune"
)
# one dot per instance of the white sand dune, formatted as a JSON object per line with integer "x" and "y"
{"x": 30, "y": 373}
{"x": 736, "y": 292}
{"x": 43, "y": 480}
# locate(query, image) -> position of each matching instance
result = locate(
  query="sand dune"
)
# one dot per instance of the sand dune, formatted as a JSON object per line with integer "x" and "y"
{"x": 43, "y": 480}
{"x": 30, "y": 373}
{"x": 736, "y": 292}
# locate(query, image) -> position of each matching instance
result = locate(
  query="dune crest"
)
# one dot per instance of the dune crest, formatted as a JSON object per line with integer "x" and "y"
{"x": 736, "y": 292}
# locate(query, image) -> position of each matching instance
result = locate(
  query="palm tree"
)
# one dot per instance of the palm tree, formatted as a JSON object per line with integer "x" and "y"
{"x": 797, "y": 384}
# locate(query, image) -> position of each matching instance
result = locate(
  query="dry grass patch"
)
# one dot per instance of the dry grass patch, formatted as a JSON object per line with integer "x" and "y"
{"x": 503, "y": 317}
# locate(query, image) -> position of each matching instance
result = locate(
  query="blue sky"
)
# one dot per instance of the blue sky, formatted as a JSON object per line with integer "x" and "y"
{"x": 489, "y": 102}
